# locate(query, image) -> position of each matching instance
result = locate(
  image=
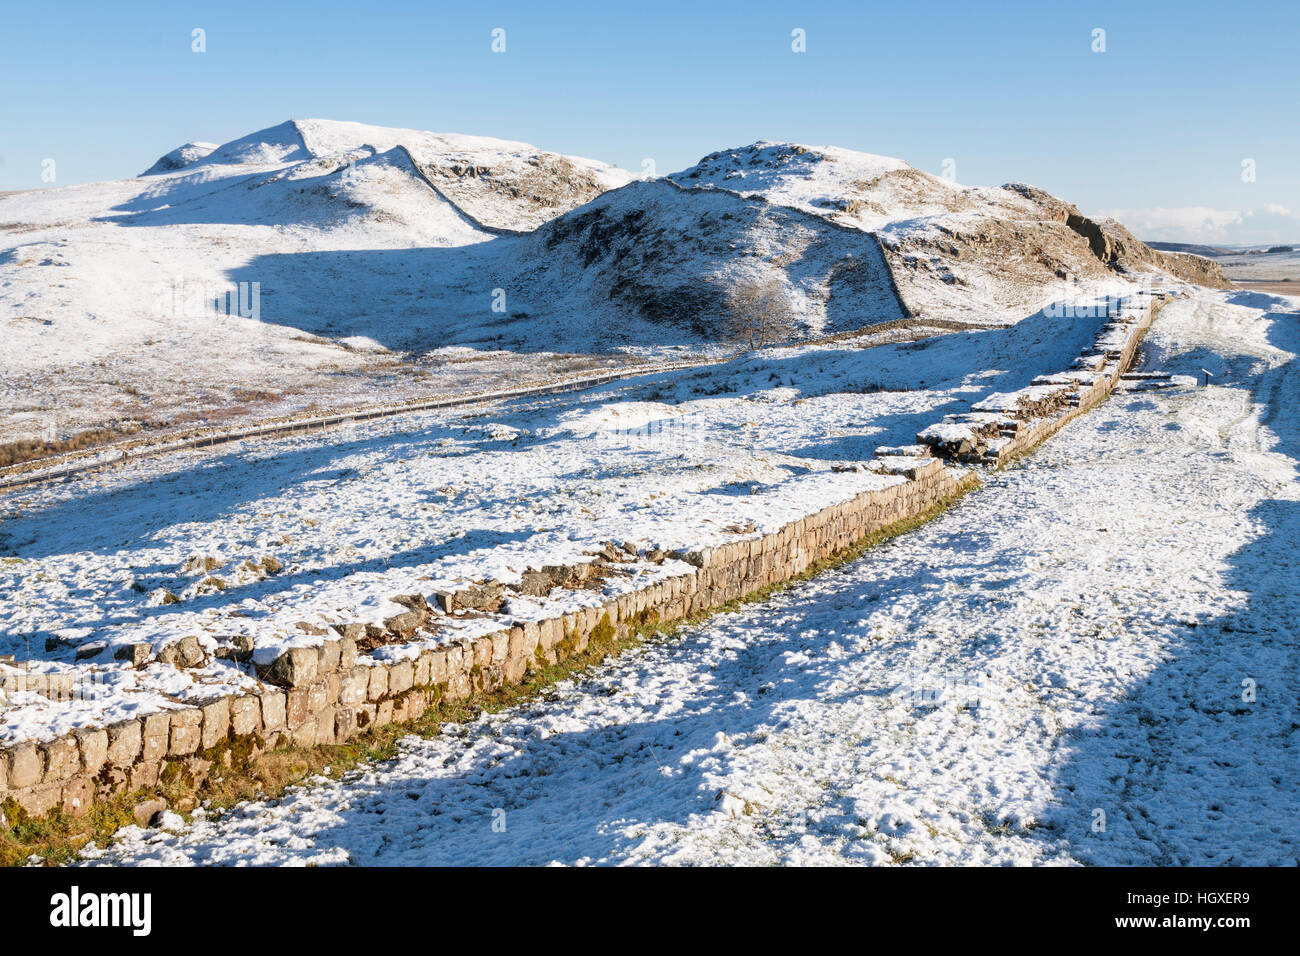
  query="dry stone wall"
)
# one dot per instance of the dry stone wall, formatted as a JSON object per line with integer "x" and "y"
{"x": 1003, "y": 427}
{"x": 330, "y": 692}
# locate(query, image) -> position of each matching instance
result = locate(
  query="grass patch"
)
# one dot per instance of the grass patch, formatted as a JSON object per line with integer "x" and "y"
{"x": 18, "y": 452}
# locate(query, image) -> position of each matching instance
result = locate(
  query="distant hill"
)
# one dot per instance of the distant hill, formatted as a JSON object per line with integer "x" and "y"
{"x": 1195, "y": 249}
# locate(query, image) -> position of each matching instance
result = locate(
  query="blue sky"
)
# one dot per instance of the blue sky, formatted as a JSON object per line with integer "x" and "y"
{"x": 1156, "y": 128}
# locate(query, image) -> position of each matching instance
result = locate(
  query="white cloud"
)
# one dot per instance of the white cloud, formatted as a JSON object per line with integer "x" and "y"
{"x": 1270, "y": 224}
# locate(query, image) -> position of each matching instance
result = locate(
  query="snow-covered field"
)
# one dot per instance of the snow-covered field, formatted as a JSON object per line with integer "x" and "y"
{"x": 357, "y": 265}
{"x": 1093, "y": 659}
{"x": 168, "y": 548}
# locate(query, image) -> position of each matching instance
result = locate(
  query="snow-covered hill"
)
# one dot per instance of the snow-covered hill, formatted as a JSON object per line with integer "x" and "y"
{"x": 337, "y": 252}
{"x": 1002, "y": 252}
{"x": 662, "y": 255}
{"x": 329, "y": 231}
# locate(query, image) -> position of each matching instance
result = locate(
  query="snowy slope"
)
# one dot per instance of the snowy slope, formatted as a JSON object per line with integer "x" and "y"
{"x": 371, "y": 248}
{"x": 106, "y": 289}
{"x": 1074, "y": 637}
{"x": 667, "y": 256}
{"x": 434, "y": 499}
{"x": 999, "y": 253}
{"x": 502, "y": 184}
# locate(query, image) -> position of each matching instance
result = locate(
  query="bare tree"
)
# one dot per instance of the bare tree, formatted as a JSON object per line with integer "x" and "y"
{"x": 759, "y": 312}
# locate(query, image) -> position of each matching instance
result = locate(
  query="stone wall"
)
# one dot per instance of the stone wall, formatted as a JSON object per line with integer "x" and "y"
{"x": 328, "y": 693}
{"x": 1001, "y": 428}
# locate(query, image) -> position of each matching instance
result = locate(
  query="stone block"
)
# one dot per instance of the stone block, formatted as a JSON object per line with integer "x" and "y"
{"x": 458, "y": 685}
{"x": 500, "y": 646}
{"x": 325, "y": 726}
{"x": 124, "y": 743}
{"x": 366, "y": 715}
{"x": 378, "y": 682}
{"x": 438, "y": 667}
{"x": 93, "y": 745}
{"x": 38, "y": 801}
{"x": 26, "y": 766}
{"x": 418, "y": 703}
{"x": 146, "y": 810}
{"x": 354, "y": 687}
{"x": 345, "y": 724}
{"x": 296, "y": 666}
{"x": 401, "y": 709}
{"x": 154, "y": 747}
{"x": 400, "y": 677}
{"x": 329, "y": 656}
{"x": 318, "y": 697}
{"x": 245, "y": 716}
{"x": 78, "y": 795}
{"x": 62, "y": 759}
{"x": 296, "y": 709}
{"x": 347, "y": 653}
{"x": 274, "y": 718}
{"x": 304, "y": 735}
{"x": 216, "y": 722}
{"x": 157, "y": 725}
{"x": 186, "y": 732}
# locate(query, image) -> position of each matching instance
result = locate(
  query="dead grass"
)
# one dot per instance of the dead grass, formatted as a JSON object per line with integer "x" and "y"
{"x": 15, "y": 453}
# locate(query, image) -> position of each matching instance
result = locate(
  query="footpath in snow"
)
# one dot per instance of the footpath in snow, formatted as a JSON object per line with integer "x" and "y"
{"x": 1103, "y": 634}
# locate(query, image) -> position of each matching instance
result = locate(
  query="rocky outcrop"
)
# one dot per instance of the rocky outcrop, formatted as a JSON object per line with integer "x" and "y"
{"x": 179, "y": 158}
{"x": 1117, "y": 248}
{"x": 669, "y": 255}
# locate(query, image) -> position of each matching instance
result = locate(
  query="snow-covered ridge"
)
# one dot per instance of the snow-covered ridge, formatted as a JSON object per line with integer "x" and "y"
{"x": 410, "y": 241}
{"x": 951, "y": 248}
{"x": 500, "y": 183}
{"x": 179, "y": 158}
{"x": 863, "y": 189}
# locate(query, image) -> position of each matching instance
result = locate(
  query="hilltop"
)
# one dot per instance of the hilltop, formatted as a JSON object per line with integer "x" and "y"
{"x": 340, "y": 253}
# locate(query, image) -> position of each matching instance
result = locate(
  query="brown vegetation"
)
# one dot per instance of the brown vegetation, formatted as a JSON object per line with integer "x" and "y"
{"x": 759, "y": 313}
{"x": 17, "y": 452}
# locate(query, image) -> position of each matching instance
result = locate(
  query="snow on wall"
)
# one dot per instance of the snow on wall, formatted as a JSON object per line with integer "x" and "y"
{"x": 1003, "y": 426}
{"x": 326, "y": 693}
{"x": 329, "y": 692}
